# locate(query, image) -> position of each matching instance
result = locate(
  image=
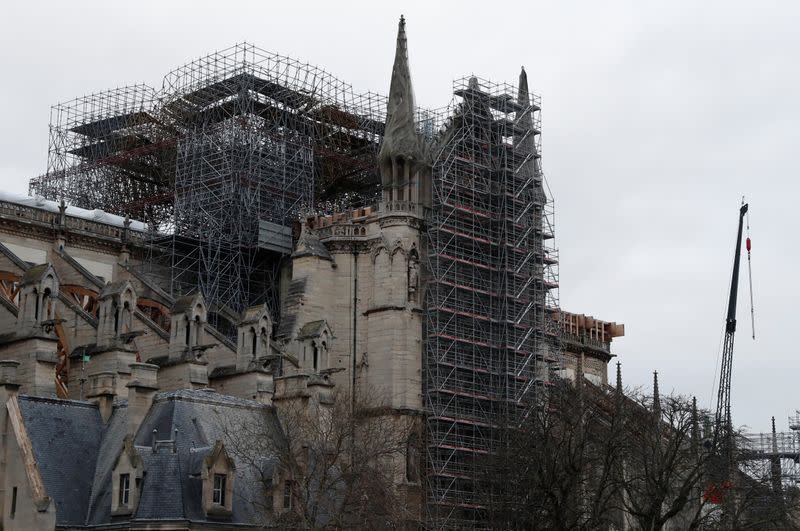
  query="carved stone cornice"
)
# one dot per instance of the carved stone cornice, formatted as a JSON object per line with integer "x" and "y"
{"x": 41, "y": 225}
{"x": 395, "y": 219}
{"x": 351, "y": 246}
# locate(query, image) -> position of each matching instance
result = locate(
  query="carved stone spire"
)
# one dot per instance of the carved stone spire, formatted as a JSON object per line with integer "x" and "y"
{"x": 402, "y": 157}
{"x": 523, "y": 96}
{"x": 400, "y": 137}
{"x": 524, "y": 141}
{"x": 656, "y": 395}
{"x": 619, "y": 378}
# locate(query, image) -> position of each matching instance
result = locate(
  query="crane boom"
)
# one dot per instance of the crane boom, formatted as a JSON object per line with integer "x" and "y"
{"x": 723, "y": 433}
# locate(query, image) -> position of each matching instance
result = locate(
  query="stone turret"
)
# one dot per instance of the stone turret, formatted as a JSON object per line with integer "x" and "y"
{"x": 106, "y": 365}
{"x": 187, "y": 363}
{"x": 403, "y": 159}
{"x": 34, "y": 341}
{"x": 115, "y": 319}
{"x": 38, "y": 292}
{"x": 254, "y": 333}
{"x": 188, "y": 320}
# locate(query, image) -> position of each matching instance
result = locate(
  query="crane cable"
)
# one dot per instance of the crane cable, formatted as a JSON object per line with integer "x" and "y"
{"x": 750, "y": 277}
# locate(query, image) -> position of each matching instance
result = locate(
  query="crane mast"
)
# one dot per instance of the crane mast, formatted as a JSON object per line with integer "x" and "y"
{"x": 723, "y": 433}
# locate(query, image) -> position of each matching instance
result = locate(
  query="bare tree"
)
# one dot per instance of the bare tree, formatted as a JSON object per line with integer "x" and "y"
{"x": 665, "y": 465}
{"x": 599, "y": 458}
{"x": 329, "y": 464}
{"x": 596, "y": 458}
{"x": 556, "y": 467}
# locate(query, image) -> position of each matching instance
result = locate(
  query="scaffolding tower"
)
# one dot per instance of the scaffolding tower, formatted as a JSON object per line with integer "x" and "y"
{"x": 220, "y": 162}
{"x": 492, "y": 334}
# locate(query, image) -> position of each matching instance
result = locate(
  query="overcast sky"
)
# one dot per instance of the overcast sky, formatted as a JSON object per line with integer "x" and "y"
{"x": 657, "y": 118}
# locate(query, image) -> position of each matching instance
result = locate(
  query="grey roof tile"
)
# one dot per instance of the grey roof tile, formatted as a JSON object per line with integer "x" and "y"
{"x": 77, "y": 454}
{"x": 162, "y": 492}
{"x": 110, "y": 448}
{"x": 65, "y": 435}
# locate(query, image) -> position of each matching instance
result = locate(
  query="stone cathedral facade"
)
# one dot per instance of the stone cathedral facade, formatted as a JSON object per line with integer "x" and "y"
{"x": 111, "y": 388}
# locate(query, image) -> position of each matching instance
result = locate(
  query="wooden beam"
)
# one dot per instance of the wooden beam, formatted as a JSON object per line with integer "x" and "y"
{"x": 40, "y": 497}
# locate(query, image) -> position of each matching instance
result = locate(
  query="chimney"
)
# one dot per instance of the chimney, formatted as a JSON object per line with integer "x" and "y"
{"x": 102, "y": 387}
{"x": 141, "y": 391}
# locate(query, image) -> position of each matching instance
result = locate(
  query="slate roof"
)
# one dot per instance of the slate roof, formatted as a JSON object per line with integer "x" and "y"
{"x": 76, "y": 454}
{"x": 110, "y": 448}
{"x": 201, "y": 418}
{"x": 65, "y": 435}
{"x": 162, "y": 489}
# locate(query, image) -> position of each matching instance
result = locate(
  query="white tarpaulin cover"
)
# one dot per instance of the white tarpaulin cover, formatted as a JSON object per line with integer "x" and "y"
{"x": 52, "y": 206}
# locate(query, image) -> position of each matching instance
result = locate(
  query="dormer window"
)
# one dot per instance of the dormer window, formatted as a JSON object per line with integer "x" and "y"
{"x": 127, "y": 472}
{"x": 218, "y": 493}
{"x": 218, "y": 473}
{"x": 124, "y": 488}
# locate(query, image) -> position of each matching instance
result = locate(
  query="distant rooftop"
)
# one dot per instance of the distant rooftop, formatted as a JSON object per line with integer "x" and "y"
{"x": 96, "y": 215}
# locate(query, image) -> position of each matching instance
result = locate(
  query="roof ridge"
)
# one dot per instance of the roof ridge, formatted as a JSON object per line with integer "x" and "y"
{"x": 55, "y": 400}
{"x": 203, "y": 396}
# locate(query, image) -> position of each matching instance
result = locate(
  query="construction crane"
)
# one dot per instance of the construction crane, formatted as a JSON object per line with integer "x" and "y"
{"x": 723, "y": 462}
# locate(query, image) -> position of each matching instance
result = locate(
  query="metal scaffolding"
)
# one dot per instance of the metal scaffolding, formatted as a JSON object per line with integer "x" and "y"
{"x": 110, "y": 151}
{"x": 219, "y": 162}
{"x": 235, "y": 145}
{"x": 492, "y": 303}
{"x": 775, "y": 454}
